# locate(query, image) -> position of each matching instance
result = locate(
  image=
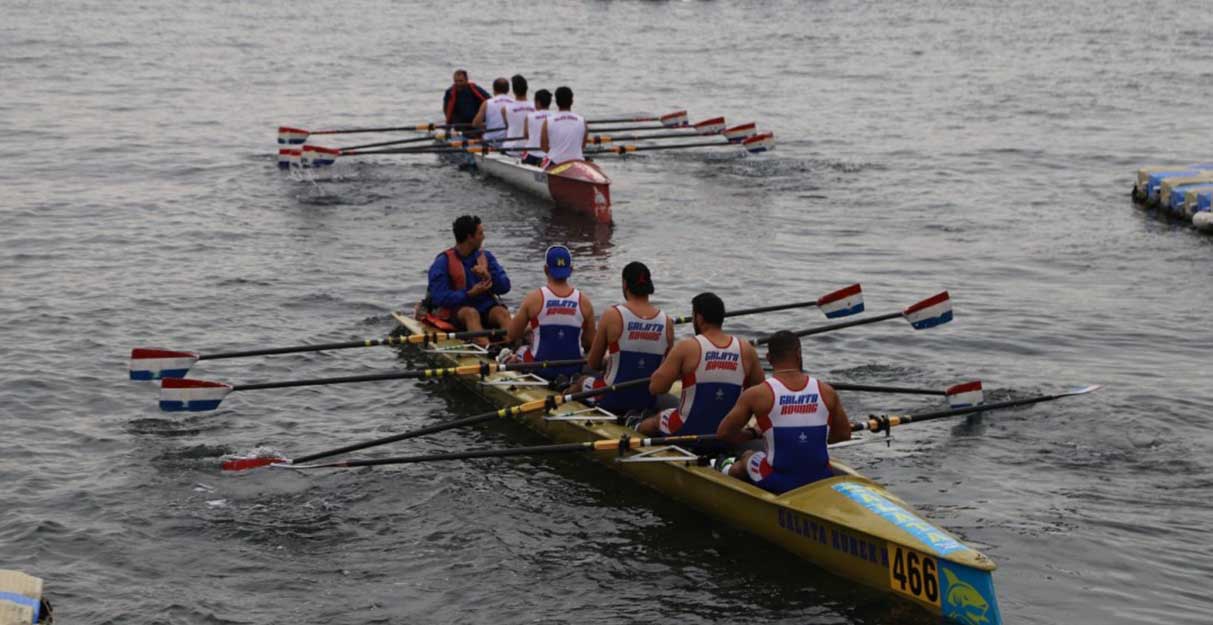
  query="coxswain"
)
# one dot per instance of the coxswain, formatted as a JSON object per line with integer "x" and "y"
{"x": 564, "y": 133}
{"x": 797, "y": 416}
{"x": 559, "y": 316}
{"x": 531, "y": 128}
{"x": 465, "y": 283}
{"x": 714, "y": 368}
{"x": 462, "y": 100}
{"x": 516, "y": 113}
{"x": 490, "y": 119}
{"x": 632, "y": 339}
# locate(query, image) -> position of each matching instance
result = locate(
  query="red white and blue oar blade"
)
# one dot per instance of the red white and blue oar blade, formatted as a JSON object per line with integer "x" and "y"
{"x": 713, "y": 126}
{"x": 317, "y": 156}
{"x": 737, "y": 134}
{"x": 181, "y": 395}
{"x": 764, "y": 142}
{"x": 677, "y": 119}
{"x": 154, "y": 364}
{"x": 933, "y": 311}
{"x": 841, "y": 303}
{"x": 289, "y": 157}
{"x": 291, "y": 136}
{"x": 965, "y": 394}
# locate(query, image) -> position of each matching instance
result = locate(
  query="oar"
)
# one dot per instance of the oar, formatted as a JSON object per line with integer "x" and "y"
{"x": 189, "y": 395}
{"x": 933, "y": 311}
{"x": 620, "y": 445}
{"x": 386, "y": 143}
{"x": 959, "y": 395}
{"x": 841, "y": 303}
{"x": 707, "y": 127}
{"x": 669, "y": 120}
{"x": 884, "y": 422}
{"x": 149, "y": 363}
{"x": 548, "y": 403}
{"x": 758, "y": 143}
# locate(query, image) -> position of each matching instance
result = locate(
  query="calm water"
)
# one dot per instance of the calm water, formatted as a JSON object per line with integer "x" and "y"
{"x": 983, "y": 147}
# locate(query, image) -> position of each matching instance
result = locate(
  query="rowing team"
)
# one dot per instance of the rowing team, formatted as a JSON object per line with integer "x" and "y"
{"x": 513, "y": 122}
{"x": 723, "y": 384}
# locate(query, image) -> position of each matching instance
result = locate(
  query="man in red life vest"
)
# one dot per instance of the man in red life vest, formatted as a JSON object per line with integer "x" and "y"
{"x": 464, "y": 282}
{"x": 797, "y": 416}
{"x": 462, "y": 100}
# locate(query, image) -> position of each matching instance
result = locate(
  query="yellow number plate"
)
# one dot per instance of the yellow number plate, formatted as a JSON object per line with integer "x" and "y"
{"x": 914, "y": 574}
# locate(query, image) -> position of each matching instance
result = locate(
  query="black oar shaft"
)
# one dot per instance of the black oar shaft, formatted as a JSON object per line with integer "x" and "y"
{"x": 387, "y": 340}
{"x": 838, "y": 326}
{"x": 482, "y": 369}
{"x": 754, "y": 311}
{"x": 383, "y": 143}
{"x": 843, "y": 386}
{"x": 549, "y": 402}
{"x": 877, "y": 424}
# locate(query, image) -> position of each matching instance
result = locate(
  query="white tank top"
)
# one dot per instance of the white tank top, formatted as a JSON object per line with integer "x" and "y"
{"x": 515, "y": 114}
{"x": 566, "y": 131}
{"x": 534, "y": 127}
{"x": 494, "y": 123}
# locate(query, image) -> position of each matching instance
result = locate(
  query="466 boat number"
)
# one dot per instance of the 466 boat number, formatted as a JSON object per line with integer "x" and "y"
{"x": 914, "y": 574}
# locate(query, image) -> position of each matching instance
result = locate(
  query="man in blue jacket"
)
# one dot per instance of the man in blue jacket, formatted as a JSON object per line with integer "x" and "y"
{"x": 462, "y": 99}
{"x": 465, "y": 282}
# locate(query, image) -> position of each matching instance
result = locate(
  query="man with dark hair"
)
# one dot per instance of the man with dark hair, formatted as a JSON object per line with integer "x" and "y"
{"x": 515, "y": 114}
{"x": 559, "y": 316}
{"x": 631, "y": 340}
{"x": 532, "y": 154}
{"x": 714, "y": 368}
{"x": 797, "y": 417}
{"x": 564, "y": 134}
{"x": 490, "y": 119}
{"x": 462, "y": 99}
{"x": 464, "y": 282}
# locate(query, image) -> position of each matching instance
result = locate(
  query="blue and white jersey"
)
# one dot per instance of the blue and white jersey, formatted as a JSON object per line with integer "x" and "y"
{"x": 556, "y": 332}
{"x": 709, "y": 392}
{"x": 795, "y": 432}
{"x": 635, "y": 355}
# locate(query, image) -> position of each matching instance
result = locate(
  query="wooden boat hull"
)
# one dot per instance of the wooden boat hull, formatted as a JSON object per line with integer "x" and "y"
{"x": 847, "y": 524}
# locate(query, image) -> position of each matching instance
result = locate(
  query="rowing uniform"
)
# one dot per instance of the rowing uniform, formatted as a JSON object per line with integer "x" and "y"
{"x": 566, "y": 133}
{"x": 556, "y": 333}
{"x": 534, "y": 124}
{"x": 494, "y": 123}
{"x": 795, "y": 433}
{"x": 634, "y": 355}
{"x": 515, "y": 114}
{"x": 709, "y": 392}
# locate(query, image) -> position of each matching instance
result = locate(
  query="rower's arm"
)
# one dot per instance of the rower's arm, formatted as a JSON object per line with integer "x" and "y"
{"x": 478, "y": 121}
{"x": 840, "y": 423}
{"x": 753, "y": 367}
{"x": 669, "y": 371}
{"x": 587, "y": 326}
{"x": 441, "y": 293}
{"x": 518, "y": 323}
{"x": 501, "y": 282}
{"x": 544, "y": 146}
{"x": 596, "y": 356}
{"x": 732, "y": 430}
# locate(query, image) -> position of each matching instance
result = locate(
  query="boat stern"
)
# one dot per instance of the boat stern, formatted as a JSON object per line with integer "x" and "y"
{"x": 582, "y": 187}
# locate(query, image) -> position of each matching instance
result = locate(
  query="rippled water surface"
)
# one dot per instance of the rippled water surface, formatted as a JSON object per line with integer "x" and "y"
{"x": 982, "y": 147}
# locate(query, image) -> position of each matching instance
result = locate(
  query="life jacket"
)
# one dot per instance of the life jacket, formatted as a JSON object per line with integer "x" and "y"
{"x": 450, "y": 103}
{"x": 440, "y": 317}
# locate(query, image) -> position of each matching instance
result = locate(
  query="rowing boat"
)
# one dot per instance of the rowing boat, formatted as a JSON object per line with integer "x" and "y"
{"x": 847, "y": 524}
{"x": 579, "y": 186}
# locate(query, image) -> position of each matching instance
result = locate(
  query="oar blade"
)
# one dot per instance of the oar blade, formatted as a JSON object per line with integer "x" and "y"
{"x": 841, "y": 303}
{"x": 965, "y": 394}
{"x": 245, "y": 464}
{"x": 764, "y": 142}
{"x": 1083, "y": 390}
{"x": 737, "y": 134}
{"x": 712, "y": 126}
{"x": 933, "y": 311}
{"x": 289, "y": 157}
{"x": 291, "y": 136}
{"x": 318, "y": 156}
{"x": 155, "y": 364}
{"x": 676, "y": 119}
{"x": 182, "y": 395}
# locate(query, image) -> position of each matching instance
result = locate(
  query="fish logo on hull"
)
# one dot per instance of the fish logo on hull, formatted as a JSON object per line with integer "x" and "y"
{"x": 964, "y": 603}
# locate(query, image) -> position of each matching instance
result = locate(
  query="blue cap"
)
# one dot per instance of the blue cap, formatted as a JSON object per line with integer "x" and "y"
{"x": 559, "y": 262}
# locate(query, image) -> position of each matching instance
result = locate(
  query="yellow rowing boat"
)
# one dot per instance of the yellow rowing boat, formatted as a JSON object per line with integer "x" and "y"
{"x": 846, "y": 524}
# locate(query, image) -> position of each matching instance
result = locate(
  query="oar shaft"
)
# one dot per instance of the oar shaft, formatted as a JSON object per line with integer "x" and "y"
{"x": 840, "y": 326}
{"x": 843, "y": 386}
{"x": 754, "y": 311}
{"x": 878, "y": 424}
{"x": 429, "y": 337}
{"x": 383, "y": 143}
{"x": 531, "y": 406}
{"x": 477, "y": 369}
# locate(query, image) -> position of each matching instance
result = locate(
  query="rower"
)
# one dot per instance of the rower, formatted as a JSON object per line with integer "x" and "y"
{"x": 532, "y": 155}
{"x": 631, "y": 341}
{"x": 516, "y": 113}
{"x": 797, "y": 417}
{"x": 714, "y": 368}
{"x": 462, "y": 100}
{"x": 452, "y": 303}
{"x": 490, "y": 119}
{"x": 559, "y": 316}
{"x": 564, "y": 134}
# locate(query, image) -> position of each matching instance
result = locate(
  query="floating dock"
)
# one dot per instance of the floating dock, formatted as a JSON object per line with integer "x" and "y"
{"x": 1183, "y": 192}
